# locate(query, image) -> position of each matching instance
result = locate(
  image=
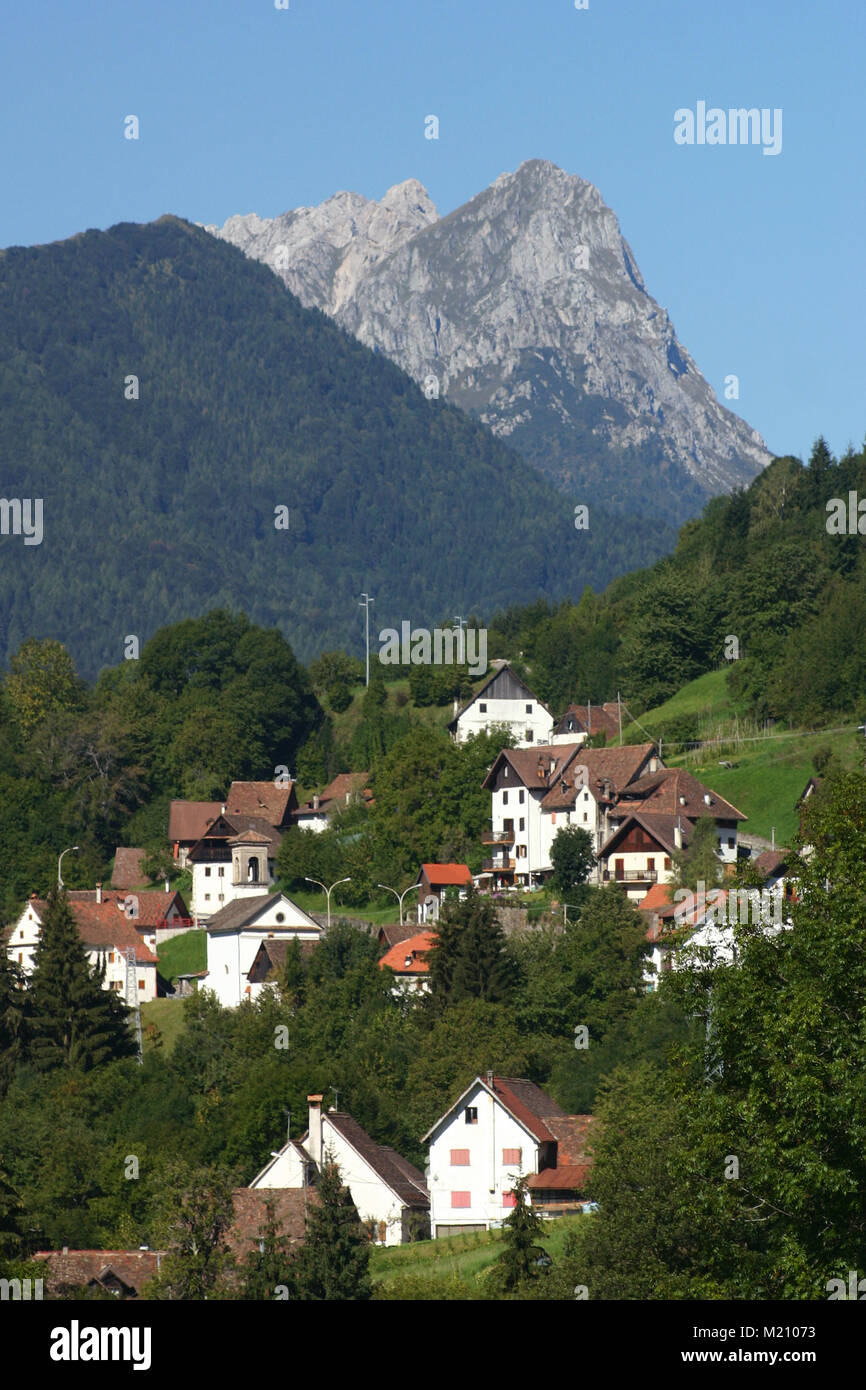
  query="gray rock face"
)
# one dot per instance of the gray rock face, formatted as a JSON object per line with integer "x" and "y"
{"x": 526, "y": 307}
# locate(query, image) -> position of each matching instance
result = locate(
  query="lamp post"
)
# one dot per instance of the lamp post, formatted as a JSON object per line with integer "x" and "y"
{"x": 327, "y": 891}
{"x": 364, "y": 602}
{"x": 398, "y": 896}
{"x": 73, "y": 849}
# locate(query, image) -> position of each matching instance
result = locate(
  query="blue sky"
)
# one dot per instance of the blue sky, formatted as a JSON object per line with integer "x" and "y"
{"x": 243, "y": 107}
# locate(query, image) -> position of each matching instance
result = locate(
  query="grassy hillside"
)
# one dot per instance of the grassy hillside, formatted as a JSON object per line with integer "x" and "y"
{"x": 468, "y": 1257}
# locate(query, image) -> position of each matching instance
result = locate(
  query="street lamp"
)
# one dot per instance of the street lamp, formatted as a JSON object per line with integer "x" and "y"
{"x": 327, "y": 891}
{"x": 73, "y": 849}
{"x": 398, "y": 896}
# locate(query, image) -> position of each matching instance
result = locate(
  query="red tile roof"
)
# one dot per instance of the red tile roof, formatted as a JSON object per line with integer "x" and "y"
{"x": 127, "y": 871}
{"x": 188, "y": 820}
{"x": 568, "y": 1177}
{"x": 604, "y": 718}
{"x": 103, "y": 928}
{"x": 414, "y": 948}
{"x": 260, "y": 799}
{"x": 441, "y": 875}
{"x": 672, "y": 791}
{"x": 74, "y": 1268}
{"x": 658, "y": 898}
{"x": 618, "y": 766}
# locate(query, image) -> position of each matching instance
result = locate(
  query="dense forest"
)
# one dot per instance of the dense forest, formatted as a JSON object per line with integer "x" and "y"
{"x": 198, "y": 439}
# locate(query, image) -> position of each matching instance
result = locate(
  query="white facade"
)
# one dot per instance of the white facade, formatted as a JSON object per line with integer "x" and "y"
{"x": 24, "y": 938}
{"x": 476, "y": 1152}
{"x": 248, "y": 874}
{"x": 376, "y": 1203}
{"x": 528, "y": 719}
{"x": 231, "y": 949}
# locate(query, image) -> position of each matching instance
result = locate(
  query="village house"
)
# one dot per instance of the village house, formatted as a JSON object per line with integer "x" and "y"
{"x": 188, "y": 821}
{"x": 434, "y": 880}
{"x": 389, "y": 1192}
{"x": 535, "y": 792}
{"x": 109, "y": 937}
{"x": 408, "y": 961}
{"x": 581, "y": 722}
{"x": 657, "y": 815}
{"x": 499, "y": 1129}
{"x": 345, "y": 789}
{"x": 235, "y": 934}
{"x": 503, "y": 700}
{"x": 234, "y": 859}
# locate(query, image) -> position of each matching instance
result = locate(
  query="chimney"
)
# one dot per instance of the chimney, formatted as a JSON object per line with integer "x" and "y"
{"x": 99, "y": 892}
{"x": 167, "y": 886}
{"x": 223, "y": 809}
{"x": 455, "y": 706}
{"x": 490, "y": 1079}
{"x": 678, "y": 836}
{"x": 708, "y": 800}
{"x": 314, "y": 1138}
{"x": 316, "y": 802}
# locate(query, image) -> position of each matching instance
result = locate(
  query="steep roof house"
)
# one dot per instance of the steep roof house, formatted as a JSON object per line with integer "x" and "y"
{"x": 535, "y": 792}
{"x": 433, "y": 880}
{"x": 408, "y": 961}
{"x": 234, "y": 859}
{"x": 108, "y": 937}
{"x": 581, "y": 722}
{"x": 657, "y": 815}
{"x": 503, "y": 699}
{"x": 342, "y": 791}
{"x": 261, "y": 802}
{"x": 499, "y": 1129}
{"x": 235, "y": 934}
{"x": 389, "y": 1192}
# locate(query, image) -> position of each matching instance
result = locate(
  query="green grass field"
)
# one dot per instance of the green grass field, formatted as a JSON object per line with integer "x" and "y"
{"x": 183, "y": 955}
{"x": 466, "y": 1256}
{"x": 167, "y": 1016}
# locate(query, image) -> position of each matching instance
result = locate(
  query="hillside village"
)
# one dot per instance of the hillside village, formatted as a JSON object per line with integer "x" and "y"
{"x": 554, "y": 775}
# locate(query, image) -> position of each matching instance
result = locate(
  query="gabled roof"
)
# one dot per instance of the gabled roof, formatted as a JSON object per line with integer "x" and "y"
{"x": 445, "y": 875}
{"x": 152, "y": 903}
{"x": 103, "y": 928}
{"x": 300, "y": 1152}
{"x": 262, "y": 800}
{"x": 661, "y": 828}
{"x": 271, "y": 956}
{"x": 346, "y": 785}
{"x": 188, "y": 820}
{"x": 672, "y": 791}
{"x": 127, "y": 871}
{"x": 393, "y": 932}
{"x": 227, "y": 830}
{"x": 658, "y": 899}
{"x": 572, "y": 1133}
{"x": 604, "y": 718}
{"x": 772, "y": 861}
{"x": 415, "y": 949}
{"x": 535, "y": 766}
{"x": 243, "y": 912}
{"x": 511, "y": 678}
{"x": 614, "y": 765}
{"x": 524, "y": 1101}
{"x": 73, "y": 1268}
{"x": 402, "y": 1177}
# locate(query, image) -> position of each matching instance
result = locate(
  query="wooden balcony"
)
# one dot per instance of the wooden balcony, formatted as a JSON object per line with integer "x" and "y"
{"x": 497, "y": 837}
{"x": 630, "y": 876}
{"x": 497, "y": 866}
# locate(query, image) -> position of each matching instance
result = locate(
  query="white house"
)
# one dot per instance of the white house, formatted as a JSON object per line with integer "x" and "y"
{"x": 233, "y": 860}
{"x": 657, "y": 816}
{"x": 535, "y": 792}
{"x": 342, "y": 791}
{"x": 504, "y": 699}
{"x": 581, "y": 722}
{"x": 389, "y": 1192}
{"x": 108, "y": 937}
{"x": 408, "y": 960}
{"x": 235, "y": 934}
{"x": 502, "y": 1128}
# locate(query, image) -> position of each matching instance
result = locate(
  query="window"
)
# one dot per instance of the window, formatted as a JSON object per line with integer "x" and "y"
{"x": 585, "y": 817}
{"x": 651, "y": 866}
{"x": 586, "y": 796}
{"x": 141, "y": 984}
{"x": 529, "y": 709}
{"x": 281, "y": 916}
{"x": 512, "y": 1156}
{"x": 221, "y": 872}
{"x": 459, "y": 1158}
{"x": 522, "y": 823}
{"x": 483, "y": 707}
{"x": 505, "y": 798}
{"x": 730, "y": 842}
{"x": 207, "y": 871}
{"x": 509, "y": 1199}
{"x": 667, "y": 862}
{"x": 111, "y": 958}
{"x": 20, "y": 957}
{"x": 115, "y": 984}
{"x": 528, "y": 737}
{"x": 461, "y": 1199}
{"x": 221, "y": 898}
{"x": 470, "y": 1114}
{"x": 553, "y": 818}
{"x": 207, "y": 897}
{"x": 520, "y": 797}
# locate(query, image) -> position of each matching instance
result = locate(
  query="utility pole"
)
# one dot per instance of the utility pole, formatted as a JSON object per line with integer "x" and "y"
{"x": 364, "y": 602}
{"x": 619, "y": 707}
{"x": 461, "y": 623}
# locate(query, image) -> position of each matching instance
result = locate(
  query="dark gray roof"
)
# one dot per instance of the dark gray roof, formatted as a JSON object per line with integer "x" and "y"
{"x": 403, "y": 1178}
{"x": 237, "y": 914}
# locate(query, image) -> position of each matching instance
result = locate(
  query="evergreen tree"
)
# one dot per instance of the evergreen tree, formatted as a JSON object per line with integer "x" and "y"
{"x": 268, "y": 1267}
{"x": 333, "y": 1263}
{"x": 74, "y": 1021}
{"x": 699, "y": 862}
{"x": 519, "y": 1261}
{"x": 14, "y": 1009}
{"x": 469, "y": 959}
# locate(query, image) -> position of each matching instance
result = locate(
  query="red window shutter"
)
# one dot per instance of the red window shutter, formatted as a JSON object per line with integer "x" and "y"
{"x": 459, "y": 1158}
{"x": 461, "y": 1199}
{"x": 512, "y": 1156}
{"x": 509, "y": 1199}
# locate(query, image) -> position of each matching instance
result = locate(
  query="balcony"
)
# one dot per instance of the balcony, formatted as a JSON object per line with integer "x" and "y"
{"x": 497, "y": 837}
{"x": 497, "y": 866}
{"x": 630, "y": 876}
